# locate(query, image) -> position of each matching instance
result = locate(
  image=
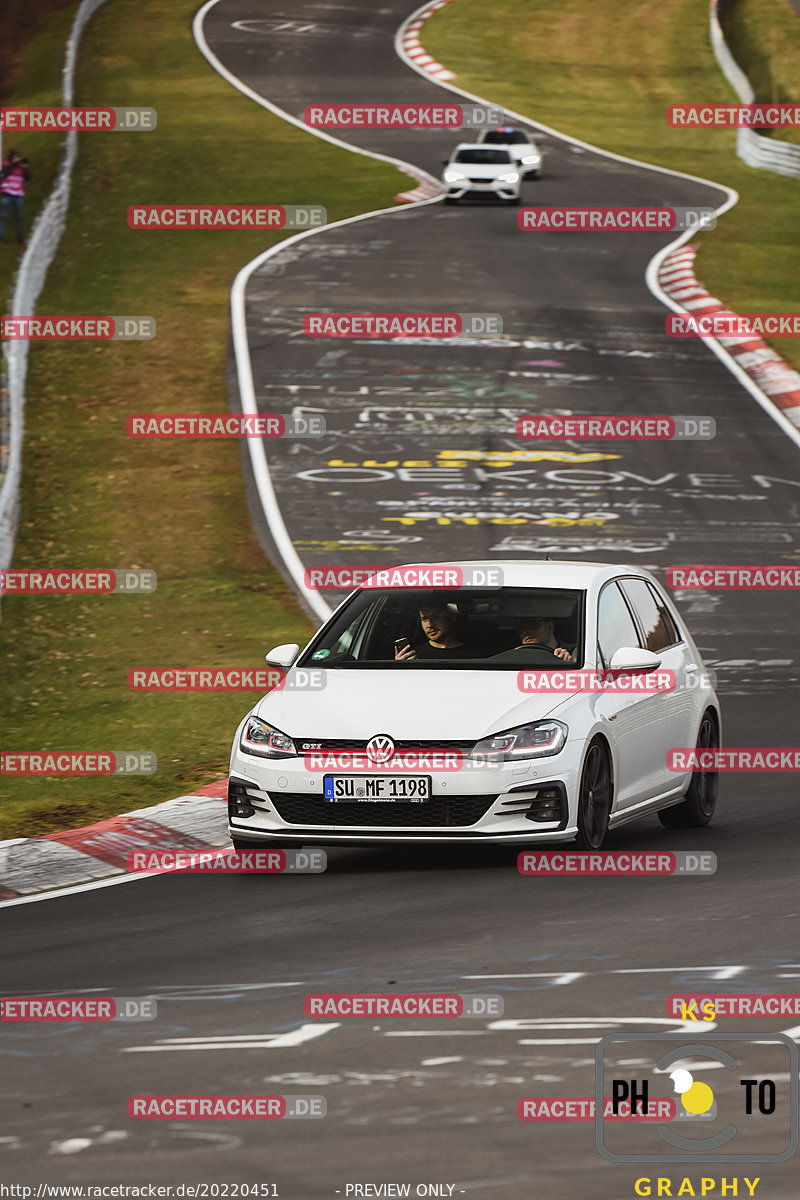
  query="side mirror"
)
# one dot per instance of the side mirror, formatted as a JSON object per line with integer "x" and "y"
{"x": 633, "y": 658}
{"x": 283, "y": 656}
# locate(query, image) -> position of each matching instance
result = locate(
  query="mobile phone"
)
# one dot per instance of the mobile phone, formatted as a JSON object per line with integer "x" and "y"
{"x": 401, "y": 643}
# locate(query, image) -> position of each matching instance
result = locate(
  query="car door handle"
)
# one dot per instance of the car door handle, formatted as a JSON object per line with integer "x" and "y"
{"x": 690, "y": 667}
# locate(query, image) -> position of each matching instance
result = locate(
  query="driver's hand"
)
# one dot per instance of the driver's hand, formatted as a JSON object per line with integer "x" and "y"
{"x": 407, "y": 653}
{"x": 563, "y": 654}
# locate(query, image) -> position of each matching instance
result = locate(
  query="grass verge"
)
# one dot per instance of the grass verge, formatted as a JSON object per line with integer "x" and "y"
{"x": 40, "y": 66}
{"x": 93, "y": 498}
{"x": 605, "y": 72}
{"x": 764, "y": 38}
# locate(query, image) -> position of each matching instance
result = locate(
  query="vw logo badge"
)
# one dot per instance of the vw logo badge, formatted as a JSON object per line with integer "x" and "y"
{"x": 380, "y": 749}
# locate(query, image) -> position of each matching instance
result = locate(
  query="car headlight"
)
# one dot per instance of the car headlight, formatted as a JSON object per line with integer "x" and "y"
{"x": 537, "y": 740}
{"x": 509, "y": 177}
{"x": 531, "y": 158}
{"x": 259, "y": 737}
{"x": 453, "y": 176}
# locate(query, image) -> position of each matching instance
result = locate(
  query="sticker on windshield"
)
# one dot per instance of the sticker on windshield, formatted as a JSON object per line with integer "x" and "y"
{"x": 320, "y": 654}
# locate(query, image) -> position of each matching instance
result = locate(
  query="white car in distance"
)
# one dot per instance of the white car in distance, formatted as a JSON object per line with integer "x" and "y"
{"x": 557, "y": 763}
{"x": 524, "y": 149}
{"x": 481, "y": 171}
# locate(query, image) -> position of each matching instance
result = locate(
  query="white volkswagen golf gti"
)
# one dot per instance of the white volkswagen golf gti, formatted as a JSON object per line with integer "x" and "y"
{"x": 543, "y": 709}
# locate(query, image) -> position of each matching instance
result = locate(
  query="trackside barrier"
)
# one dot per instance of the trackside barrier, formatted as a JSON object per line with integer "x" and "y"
{"x": 39, "y": 253}
{"x": 766, "y": 154}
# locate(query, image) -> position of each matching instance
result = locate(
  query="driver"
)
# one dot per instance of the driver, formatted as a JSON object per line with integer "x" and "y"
{"x": 540, "y": 631}
{"x": 439, "y": 626}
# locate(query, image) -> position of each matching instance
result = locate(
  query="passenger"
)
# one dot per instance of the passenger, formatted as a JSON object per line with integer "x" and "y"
{"x": 438, "y": 625}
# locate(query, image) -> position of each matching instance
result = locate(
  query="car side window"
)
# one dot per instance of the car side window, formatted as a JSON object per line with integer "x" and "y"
{"x": 674, "y": 634}
{"x": 659, "y": 629}
{"x": 615, "y": 627}
{"x": 350, "y": 641}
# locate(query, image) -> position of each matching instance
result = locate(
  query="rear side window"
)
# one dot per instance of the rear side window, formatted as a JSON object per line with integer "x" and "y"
{"x": 615, "y": 627}
{"x": 674, "y": 632}
{"x": 658, "y": 626}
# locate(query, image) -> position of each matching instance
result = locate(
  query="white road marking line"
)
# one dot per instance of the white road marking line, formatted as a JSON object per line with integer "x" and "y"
{"x": 714, "y": 972}
{"x": 561, "y": 977}
{"x": 238, "y": 1041}
{"x": 438, "y": 1033}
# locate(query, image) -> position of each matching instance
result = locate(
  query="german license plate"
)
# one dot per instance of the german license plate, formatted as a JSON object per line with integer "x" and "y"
{"x": 377, "y": 789}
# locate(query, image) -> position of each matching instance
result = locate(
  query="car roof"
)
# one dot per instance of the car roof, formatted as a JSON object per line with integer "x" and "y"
{"x": 541, "y": 573}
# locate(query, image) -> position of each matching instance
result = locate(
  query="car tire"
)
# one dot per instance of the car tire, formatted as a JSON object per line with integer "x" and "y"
{"x": 243, "y": 844}
{"x": 451, "y": 200}
{"x": 513, "y": 201}
{"x": 697, "y": 808}
{"x": 595, "y": 796}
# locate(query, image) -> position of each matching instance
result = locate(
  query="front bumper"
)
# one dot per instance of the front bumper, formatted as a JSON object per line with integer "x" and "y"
{"x": 487, "y": 187}
{"x": 281, "y": 801}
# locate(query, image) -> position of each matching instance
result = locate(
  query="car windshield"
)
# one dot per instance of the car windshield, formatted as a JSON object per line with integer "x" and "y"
{"x": 477, "y": 154}
{"x": 504, "y": 137}
{"x": 471, "y": 629}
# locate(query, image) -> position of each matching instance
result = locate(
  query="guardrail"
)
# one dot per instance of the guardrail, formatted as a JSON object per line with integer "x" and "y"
{"x": 764, "y": 153}
{"x": 39, "y": 252}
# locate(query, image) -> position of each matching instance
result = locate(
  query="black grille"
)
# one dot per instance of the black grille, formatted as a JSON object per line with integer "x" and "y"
{"x": 239, "y": 802}
{"x": 483, "y": 181}
{"x": 448, "y": 811}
